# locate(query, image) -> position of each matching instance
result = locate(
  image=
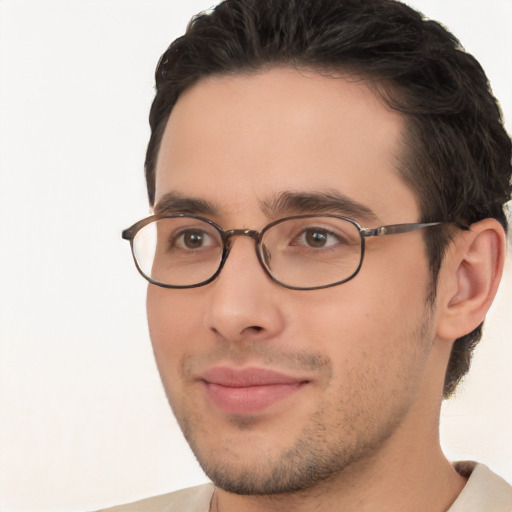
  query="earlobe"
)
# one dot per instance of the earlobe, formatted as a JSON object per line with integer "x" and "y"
{"x": 472, "y": 271}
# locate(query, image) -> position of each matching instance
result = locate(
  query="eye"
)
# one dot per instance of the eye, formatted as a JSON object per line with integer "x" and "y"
{"x": 192, "y": 239}
{"x": 318, "y": 238}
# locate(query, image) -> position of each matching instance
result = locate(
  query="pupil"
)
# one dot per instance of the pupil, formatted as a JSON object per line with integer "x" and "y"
{"x": 316, "y": 238}
{"x": 193, "y": 240}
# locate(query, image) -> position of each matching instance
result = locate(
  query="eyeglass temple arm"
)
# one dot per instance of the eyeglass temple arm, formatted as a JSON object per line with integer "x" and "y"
{"x": 130, "y": 232}
{"x": 394, "y": 229}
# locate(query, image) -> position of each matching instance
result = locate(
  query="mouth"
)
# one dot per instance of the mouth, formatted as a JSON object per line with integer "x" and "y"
{"x": 248, "y": 390}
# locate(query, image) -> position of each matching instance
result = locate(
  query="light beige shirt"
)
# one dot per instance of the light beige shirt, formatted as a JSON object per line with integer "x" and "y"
{"x": 484, "y": 492}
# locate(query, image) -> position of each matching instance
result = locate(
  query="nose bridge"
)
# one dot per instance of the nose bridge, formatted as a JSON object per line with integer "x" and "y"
{"x": 263, "y": 258}
{"x": 251, "y": 233}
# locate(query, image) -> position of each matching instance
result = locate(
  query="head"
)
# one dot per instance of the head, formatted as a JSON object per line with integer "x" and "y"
{"x": 451, "y": 162}
{"x": 458, "y": 157}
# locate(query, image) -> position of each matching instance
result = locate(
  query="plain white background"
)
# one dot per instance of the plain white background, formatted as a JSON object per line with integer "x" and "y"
{"x": 83, "y": 419}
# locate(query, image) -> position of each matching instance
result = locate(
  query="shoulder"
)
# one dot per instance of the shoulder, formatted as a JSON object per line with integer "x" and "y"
{"x": 485, "y": 491}
{"x": 193, "y": 499}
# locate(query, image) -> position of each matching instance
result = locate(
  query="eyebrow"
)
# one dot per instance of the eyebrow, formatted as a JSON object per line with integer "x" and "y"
{"x": 331, "y": 201}
{"x": 172, "y": 203}
{"x": 282, "y": 204}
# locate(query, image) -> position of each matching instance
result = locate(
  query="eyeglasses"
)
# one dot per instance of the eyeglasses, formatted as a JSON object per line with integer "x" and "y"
{"x": 303, "y": 252}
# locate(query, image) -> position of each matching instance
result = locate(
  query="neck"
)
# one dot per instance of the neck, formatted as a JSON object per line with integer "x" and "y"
{"x": 420, "y": 484}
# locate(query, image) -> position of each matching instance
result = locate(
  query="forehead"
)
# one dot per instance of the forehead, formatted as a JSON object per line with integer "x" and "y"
{"x": 231, "y": 139}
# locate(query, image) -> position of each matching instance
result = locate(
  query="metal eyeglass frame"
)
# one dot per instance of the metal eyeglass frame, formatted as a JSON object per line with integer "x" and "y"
{"x": 364, "y": 233}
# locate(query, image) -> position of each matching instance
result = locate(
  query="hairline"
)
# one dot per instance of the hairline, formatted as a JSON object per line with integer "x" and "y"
{"x": 382, "y": 88}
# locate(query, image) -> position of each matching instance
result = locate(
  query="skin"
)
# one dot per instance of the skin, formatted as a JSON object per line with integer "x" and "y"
{"x": 361, "y": 432}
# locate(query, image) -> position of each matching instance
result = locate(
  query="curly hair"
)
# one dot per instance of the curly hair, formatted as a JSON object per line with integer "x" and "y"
{"x": 458, "y": 161}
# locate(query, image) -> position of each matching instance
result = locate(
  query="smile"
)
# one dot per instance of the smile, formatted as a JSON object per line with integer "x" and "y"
{"x": 249, "y": 390}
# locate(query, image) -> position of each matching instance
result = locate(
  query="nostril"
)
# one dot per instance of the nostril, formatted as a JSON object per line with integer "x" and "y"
{"x": 255, "y": 328}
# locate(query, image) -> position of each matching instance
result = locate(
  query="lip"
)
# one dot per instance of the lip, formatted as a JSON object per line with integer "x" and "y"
{"x": 248, "y": 390}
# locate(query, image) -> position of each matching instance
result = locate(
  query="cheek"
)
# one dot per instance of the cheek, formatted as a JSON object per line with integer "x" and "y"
{"x": 370, "y": 323}
{"x": 378, "y": 358}
{"x": 171, "y": 320}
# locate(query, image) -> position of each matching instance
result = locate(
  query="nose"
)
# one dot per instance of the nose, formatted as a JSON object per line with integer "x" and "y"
{"x": 244, "y": 303}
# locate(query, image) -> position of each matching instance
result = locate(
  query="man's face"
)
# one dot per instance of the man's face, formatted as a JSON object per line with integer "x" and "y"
{"x": 277, "y": 389}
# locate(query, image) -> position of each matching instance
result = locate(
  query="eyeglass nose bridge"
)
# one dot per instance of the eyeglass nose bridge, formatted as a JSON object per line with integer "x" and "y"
{"x": 252, "y": 233}
{"x": 228, "y": 235}
{"x": 262, "y": 252}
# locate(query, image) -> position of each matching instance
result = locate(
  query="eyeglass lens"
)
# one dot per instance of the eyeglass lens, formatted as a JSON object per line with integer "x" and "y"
{"x": 302, "y": 252}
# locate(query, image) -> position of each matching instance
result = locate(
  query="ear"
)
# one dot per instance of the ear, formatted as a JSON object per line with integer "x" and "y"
{"x": 469, "y": 278}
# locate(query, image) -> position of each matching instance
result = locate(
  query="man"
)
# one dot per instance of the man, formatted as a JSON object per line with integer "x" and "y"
{"x": 358, "y": 149}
